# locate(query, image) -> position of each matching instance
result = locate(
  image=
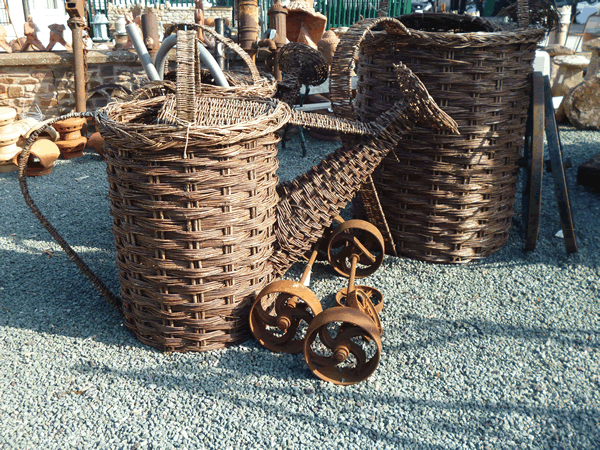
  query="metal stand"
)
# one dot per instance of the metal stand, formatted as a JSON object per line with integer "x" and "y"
{"x": 542, "y": 120}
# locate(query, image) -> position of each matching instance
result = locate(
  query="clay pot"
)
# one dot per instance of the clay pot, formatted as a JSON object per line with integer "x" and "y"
{"x": 71, "y": 142}
{"x": 96, "y": 141}
{"x": 9, "y": 135}
{"x": 41, "y": 159}
{"x": 328, "y": 44}
{"x": 304, "y": 24}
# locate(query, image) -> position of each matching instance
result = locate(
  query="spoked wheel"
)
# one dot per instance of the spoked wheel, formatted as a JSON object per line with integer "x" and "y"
{"x": 278, "y": 314}
{"x": 360, "y": 238}
{"x": 342, "y": 345}
{"x": 358, "y": 299}
{"x": 374, "y": 295}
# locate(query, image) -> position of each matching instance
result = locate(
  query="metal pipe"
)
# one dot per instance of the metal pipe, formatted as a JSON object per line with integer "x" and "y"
{"x": 277, "y": 17}
{"x": 78, "y": 69}
{"x": 142, "y": 52}
{"x": 150, "y": 32}
{"x": 205, "y": 57}
{"x": 248, "y": 25}
{"x": 220, "y": 28}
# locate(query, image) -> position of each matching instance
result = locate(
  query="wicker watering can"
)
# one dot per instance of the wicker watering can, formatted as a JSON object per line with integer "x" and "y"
{"x": 200, "y": 223}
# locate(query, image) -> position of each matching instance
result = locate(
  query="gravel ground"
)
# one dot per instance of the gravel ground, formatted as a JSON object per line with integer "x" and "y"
{"x": 499, "y": 353}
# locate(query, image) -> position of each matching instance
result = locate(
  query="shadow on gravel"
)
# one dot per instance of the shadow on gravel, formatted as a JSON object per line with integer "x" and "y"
{"x": 478, "y": 423}
{"x": 482, "y": 329}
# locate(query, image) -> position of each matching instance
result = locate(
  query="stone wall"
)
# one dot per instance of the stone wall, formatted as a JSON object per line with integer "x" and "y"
{"x": 46, "y": 78}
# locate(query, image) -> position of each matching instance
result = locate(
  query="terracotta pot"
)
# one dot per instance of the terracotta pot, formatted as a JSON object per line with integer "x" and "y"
{"x": 328, "y": 44}
{"x": 7, "y": 117}
{"x": 71, "y": 142}
{"x": 9, "y": 135}
{"x": 96, "y": 141}
{"x": 41, "y": 159}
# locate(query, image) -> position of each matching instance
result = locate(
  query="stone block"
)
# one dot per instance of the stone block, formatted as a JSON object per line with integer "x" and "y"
{"x": 122, "y": 71}
{"x": 93, "y": 84}
{"x": 15, "y": 91}
{"x": 64, "y": 84}
{"x": 64, "y": 96}
{"x": 42, "y": 74}
{"x": 24, "y": 103}
{"x": 569, "y": 73}
{"x": 29, "y": 81}
{"x": 48, "y": 103}
{"x": 2, "y": 89}
{"x": 44, "y": 88}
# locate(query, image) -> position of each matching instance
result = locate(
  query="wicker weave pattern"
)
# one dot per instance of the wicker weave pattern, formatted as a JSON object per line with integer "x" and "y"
{"x": 241, "y": 85}
{"x": 302, "y": 65}
{"x": 450, "y": 198}
{"x": 309, "y": 203}
{"x": 193, "y": 224}
{"x": 186, "y": 85}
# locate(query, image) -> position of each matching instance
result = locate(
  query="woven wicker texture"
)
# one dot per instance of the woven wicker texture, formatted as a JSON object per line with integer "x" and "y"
{"x": 448, "y": 198}
{"x": 533, "y": 12}
{"x": 198, "y": 222}
{"x": 193, "y": 211}
{"x": 309, "y": 203}
{"x": 251, "y": 84}
{"x": 301, "y": 64}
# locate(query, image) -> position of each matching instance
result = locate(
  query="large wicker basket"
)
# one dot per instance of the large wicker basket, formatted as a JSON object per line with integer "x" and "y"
{"x": 191, "y": 179}
{"x": 447, "y": 199}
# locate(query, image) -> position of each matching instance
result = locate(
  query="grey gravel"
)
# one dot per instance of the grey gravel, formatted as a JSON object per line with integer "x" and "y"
{"x": 499, "y": 353}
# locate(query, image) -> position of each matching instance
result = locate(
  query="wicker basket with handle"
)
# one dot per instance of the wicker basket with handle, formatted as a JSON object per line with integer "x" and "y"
{"x": 192, "y": 187}
{"x": 446, "y": 198}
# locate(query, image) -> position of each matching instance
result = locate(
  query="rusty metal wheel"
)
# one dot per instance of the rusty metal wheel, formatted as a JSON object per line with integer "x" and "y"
{"x": 342, "y": 345}
{"x": 373, "y": 295}
{"x": 360, "y": 299}
{"x": 278, "y": 314}
{"x": 360, "y": 238}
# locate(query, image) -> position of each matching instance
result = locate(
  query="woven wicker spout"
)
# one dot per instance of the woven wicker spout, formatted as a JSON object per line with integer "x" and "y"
{"x": 308, "y": 204}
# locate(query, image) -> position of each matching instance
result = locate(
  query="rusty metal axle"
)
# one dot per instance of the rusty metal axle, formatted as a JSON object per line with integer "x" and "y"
{"x": 341, "y": 344}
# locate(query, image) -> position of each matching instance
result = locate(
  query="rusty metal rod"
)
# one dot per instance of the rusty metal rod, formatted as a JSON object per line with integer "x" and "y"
{"x": 78, "y": 69}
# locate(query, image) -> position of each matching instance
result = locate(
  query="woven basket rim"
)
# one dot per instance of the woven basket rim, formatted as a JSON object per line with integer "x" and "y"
{"x": 275, "y": 116}
{"x": 520, "y": 34}
{"x": 481, "y": 38}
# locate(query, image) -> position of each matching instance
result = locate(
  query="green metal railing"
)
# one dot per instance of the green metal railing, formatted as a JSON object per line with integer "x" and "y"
{"x": 343, "y": 13}
{"x": 339, "y": 13}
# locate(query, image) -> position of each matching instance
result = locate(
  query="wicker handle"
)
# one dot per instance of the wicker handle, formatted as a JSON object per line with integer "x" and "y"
{"x": 523, "y": 13}
{"x": 340, "y": 80}
{"x": 186, "y": 75}
{"x": 223, "y": 40}
{"x": 72, "y": 254}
